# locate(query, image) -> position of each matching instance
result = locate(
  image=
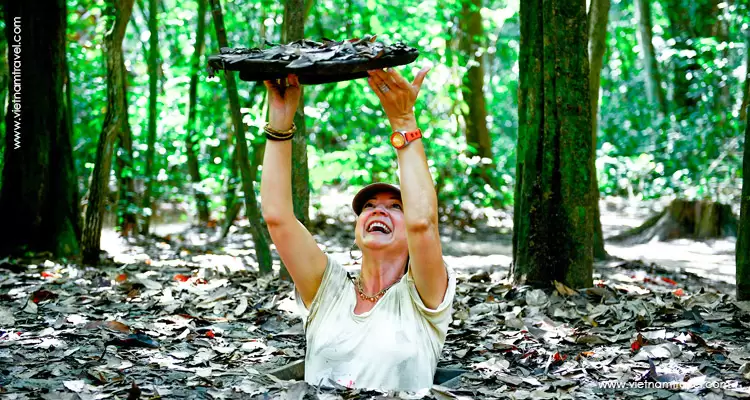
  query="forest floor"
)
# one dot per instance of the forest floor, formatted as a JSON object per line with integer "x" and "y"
{"x": 177, "y": 315}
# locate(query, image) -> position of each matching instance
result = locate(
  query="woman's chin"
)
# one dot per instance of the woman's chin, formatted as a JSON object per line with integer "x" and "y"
{"x": 373, "y": 242}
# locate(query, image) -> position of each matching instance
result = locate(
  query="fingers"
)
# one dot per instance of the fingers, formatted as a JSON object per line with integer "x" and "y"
{"x": 419, "y": 79}
{"x": 375, "y": 86}
{"x": 293, "y": 80}
{"x": 398, "y": 79}
{"x": 394, "y": 79}
{"x": 383, "y": 77}
{"x": 280, "y": 87}
{"x": 273, "y": 87}
{"x": 376, "y": 82}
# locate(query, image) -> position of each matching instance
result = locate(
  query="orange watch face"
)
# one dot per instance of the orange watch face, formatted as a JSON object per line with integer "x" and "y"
{"x": 397, "y": 140}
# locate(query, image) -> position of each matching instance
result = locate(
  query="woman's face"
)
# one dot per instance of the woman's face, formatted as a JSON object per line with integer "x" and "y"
{"x": 381, "y": 224}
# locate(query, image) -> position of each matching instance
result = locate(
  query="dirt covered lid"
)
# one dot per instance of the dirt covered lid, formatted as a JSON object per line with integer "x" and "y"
{"x": 314, "y": 62}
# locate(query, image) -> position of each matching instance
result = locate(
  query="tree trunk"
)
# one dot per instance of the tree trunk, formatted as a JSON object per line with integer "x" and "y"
{"x": 294, "y": 29}
{"x": 153, "y": 79}
{"x": 746, "y": 97}
{"x": 262, "y": 248}
{"x": 231, "y": 204}
{"x": 477, "y": 134}
{"x": 553, "y": 225}
{"x": 191, "y": 141}
{"x": 39, "y": 194}
{"x": 684, "y": 219}
{"x": 115, "y": 120}
{"x": 743, "y": 239}
{"x": 124, "y": 169}
{"x": 645, "y": 39}
{"x": 598, "y": 18}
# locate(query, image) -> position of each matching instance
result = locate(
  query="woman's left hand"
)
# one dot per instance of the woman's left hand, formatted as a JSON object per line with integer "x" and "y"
{"x": 397, "y": 95}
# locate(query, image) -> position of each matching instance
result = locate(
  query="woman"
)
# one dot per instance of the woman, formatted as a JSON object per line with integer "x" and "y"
{"x": 386, "y": 329}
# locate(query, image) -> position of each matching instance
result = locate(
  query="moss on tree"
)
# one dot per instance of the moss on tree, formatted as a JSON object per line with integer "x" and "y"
{"x": 553, "y": 232}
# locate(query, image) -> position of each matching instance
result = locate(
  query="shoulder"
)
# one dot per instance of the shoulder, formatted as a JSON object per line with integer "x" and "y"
{"x": 448, "y": 295}
{"x": 332, "y": 286}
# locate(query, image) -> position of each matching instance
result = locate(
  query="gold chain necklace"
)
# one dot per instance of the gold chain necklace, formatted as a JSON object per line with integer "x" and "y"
{"x": 375, "y": 297}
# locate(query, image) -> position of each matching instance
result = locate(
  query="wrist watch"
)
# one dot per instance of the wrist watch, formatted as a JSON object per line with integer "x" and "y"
{"x": 399, "y": 139}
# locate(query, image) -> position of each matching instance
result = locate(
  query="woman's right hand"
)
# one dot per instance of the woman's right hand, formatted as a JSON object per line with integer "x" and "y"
{"x": 283, "y": 98}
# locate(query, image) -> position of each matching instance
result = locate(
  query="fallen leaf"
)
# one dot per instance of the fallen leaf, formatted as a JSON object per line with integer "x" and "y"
{"x": 76, "y": 386}
{"x": 42, "y": 295}
{"x": 6, "y": 318}
{"x": 31, "y": 308}
{"x": 116, "y": 326}
{"x": 536, "y": 298}
{"x": 564, "y": 290}
{"x": 745, "y": 370}
{"x": 669, "y": 281}
{"x": 659, "y": 351}
{"x": 638, "y": 343}
{"x": 135, "y": 340}
{"x": 241, "y": 307}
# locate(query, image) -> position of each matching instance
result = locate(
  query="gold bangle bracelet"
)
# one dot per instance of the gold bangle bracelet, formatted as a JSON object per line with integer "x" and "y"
{"x": 277, "y": 133}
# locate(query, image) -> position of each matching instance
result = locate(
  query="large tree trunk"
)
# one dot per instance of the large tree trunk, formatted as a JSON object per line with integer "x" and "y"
{"x": 477, "y": 134}
{"x": 294, "y": 29}
{"x": 598, "y": 18}
{"x": 645, "y": 39}
{"x": 115, "y": 121}
{"x": 684, "y": 219}
{"x": 39, "y": 193}
{"x": 191, "y": 141}
{"x": 553, "y": 225}
{"x": 153, "y": 78}
{"x": 743, "y": 239}
{"x": 261, "y": 242}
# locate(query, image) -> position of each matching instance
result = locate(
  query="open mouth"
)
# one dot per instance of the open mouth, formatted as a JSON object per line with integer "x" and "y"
{"x": 377, "y": 226}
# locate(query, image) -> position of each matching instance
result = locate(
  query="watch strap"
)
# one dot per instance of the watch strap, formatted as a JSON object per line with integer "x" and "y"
{"x": 413, "y": 135}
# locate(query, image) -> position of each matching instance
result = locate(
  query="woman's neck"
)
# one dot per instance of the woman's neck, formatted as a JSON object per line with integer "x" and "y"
{"x": 381, "y": 269}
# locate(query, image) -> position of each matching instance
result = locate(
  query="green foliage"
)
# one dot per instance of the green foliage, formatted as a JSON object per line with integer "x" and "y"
{"x": 693, "y": 154}
{"x": 694, "y": 151}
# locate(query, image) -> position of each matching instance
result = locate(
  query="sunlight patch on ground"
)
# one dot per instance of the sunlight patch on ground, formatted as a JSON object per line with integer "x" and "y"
{"x": 714, "y": 259}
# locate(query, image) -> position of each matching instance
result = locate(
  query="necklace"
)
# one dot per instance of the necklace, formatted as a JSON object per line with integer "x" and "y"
{"x": 376, "y": 296}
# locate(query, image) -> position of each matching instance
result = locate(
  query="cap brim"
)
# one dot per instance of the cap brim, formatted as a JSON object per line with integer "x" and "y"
{"x": 369, "y": 191}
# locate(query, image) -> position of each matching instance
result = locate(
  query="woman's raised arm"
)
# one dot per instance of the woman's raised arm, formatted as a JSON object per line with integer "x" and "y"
{"x": 398, "y": 96}
{"x": 298, "y": 250}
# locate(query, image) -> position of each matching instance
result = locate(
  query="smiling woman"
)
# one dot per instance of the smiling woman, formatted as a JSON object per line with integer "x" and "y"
{"x": 386, "y": 328}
